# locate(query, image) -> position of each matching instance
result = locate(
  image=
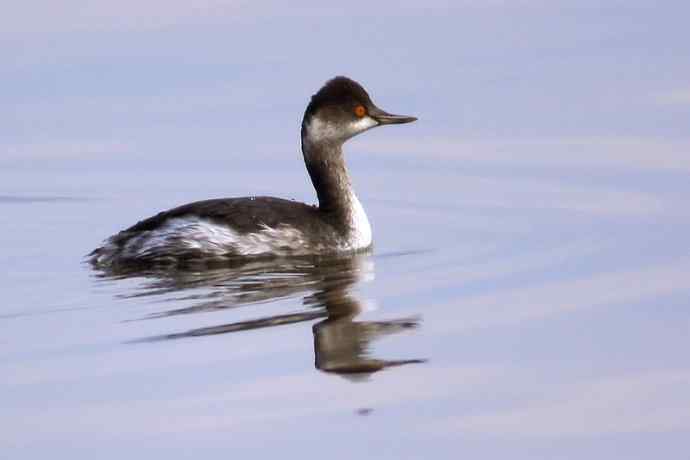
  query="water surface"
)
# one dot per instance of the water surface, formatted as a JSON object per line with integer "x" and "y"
{"x": 549, "y": 316}
{"x": 527, "y": 296}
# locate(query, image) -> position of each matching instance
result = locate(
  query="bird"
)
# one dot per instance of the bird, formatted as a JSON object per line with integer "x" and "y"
{"x": 217, "y": 231}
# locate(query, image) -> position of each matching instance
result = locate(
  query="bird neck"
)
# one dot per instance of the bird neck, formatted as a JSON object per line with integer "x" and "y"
{"x": 337, "y": 200}
{"x": 326, "y": 166}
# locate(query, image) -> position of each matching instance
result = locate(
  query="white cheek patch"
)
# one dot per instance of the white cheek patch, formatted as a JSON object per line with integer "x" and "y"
{"x": 319, "y": 130}
{"x": 362, "y": 124}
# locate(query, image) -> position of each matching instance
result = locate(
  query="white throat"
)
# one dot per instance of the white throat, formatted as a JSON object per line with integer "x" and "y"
{"x": 361, "y": 229}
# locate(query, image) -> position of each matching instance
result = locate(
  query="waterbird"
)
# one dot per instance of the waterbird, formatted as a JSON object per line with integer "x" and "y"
{"x": 220, "y": 230}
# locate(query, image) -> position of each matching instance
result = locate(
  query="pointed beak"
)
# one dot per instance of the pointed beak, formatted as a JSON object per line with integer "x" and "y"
{"x": 385, "y": 118}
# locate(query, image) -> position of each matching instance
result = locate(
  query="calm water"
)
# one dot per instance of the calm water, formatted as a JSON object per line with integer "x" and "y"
{"x": 527, "y": 296}
{"x": 504, "y": 312}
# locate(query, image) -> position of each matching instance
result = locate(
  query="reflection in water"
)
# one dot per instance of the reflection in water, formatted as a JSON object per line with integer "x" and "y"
{"x": 341, "y": 344}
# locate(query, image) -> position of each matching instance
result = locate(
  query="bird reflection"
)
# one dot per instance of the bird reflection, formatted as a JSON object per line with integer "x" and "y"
{"x": 341, "y": 343}
{"x": 325, "y": 285}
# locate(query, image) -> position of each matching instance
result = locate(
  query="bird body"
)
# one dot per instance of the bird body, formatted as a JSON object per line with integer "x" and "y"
{"x": 219, "y": 230}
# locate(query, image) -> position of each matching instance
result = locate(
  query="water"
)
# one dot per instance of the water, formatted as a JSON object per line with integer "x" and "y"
{"x": 527, "y": 296}
{"x": 520, "y": 315}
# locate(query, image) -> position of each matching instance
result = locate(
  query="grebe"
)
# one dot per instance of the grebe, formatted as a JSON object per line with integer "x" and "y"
{"x": 218, "y": 230}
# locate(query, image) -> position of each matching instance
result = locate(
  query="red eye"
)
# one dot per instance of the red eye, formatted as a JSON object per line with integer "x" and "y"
{"x": 360, "y": 111}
